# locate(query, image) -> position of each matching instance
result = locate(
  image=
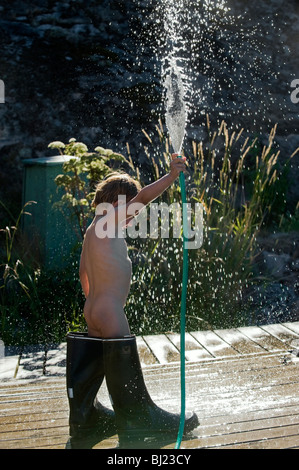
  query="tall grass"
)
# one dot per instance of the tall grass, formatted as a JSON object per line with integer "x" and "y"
{"x": 36, "y": 305}
{"x": 237, "y": 198}
{"x": 18, "y": 281}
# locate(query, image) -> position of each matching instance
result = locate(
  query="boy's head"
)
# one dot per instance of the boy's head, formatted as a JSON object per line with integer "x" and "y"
{"x": 115, "y": 185}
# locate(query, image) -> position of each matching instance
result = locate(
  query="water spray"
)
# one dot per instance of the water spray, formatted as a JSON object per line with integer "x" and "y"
{"x": 176, "y": 116}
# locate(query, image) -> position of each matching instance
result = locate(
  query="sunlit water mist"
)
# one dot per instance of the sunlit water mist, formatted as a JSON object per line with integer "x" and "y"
{"x": 226, "y": 63}
{"x": 176, "y": 113}
{"x": 187, "y": 50}
{"x": 173, "y": 74}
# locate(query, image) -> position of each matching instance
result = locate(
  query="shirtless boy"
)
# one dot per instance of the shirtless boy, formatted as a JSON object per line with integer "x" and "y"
{"x": 105, "y": 268}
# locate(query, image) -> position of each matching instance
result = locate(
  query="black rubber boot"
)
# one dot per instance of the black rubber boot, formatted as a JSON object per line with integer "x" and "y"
{"x": 137, "y": 416}
{"x": 84, "y": 376}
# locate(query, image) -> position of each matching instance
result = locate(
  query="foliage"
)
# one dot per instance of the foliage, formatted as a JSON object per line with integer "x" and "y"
{"x": 18, "y": 283}
{"x": 289, "y": 222}
{"x": 79, "y": 178}
{"x": 36, "y": 306}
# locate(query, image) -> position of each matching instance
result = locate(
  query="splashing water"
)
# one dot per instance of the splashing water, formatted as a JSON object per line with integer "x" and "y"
{"x": 224, "y": 58}
{"x": 176, "y": 113}
{"x": 176, "y": 110}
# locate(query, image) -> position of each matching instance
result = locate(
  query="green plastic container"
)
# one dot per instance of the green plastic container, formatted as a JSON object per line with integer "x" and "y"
{"x": 49, "y": 233}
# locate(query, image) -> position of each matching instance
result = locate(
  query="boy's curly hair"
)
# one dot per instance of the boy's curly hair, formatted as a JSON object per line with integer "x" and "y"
{"x": 114, "y": 185}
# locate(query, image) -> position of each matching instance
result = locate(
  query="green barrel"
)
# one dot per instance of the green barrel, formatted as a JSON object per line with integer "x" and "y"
{"x": 49, "y": 232}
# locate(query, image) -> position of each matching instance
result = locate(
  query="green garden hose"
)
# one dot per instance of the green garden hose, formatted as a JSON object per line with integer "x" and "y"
{"x": 183, "y": 309}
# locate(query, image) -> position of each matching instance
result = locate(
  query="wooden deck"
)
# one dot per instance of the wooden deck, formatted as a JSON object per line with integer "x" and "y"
{"x": 243, "y": 384}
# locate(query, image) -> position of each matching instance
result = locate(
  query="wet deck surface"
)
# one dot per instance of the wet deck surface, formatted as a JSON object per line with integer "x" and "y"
{"x": 242, "y": 383}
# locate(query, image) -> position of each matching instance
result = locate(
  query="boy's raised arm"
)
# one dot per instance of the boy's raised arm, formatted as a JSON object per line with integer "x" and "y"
{"x": 154, "y": 190}
{"x": 124, "y": 212}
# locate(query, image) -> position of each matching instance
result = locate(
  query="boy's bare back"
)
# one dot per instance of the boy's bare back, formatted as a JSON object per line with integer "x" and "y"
{"x": 108, "y": 270}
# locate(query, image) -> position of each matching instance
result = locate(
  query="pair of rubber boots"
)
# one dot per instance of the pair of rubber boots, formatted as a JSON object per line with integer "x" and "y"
{"x": 135, "y": 415}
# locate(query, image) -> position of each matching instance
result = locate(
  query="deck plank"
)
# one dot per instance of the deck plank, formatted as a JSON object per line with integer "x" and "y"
{"x": 9, "y": 367}
{"x": 239, "y": 342}
{"x": 32, "y": 362}
{"x": 252, "y": 436}
{"x": 263, "y": 338}
{"x": 162, "y": 348}
{"x": 55, "y": 360}
{"x": 213, "y": 343}
{"x": 226, "y": 401}
{"x": 242, "y": 383}
{"x": 293, "y": 326}
{"x": 283, "y": 334}
{"x": 145, "y": 354}
{"x": 193, "y": 350}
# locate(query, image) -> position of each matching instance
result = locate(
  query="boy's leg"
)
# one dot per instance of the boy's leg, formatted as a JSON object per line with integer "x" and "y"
{"x": 84, "y": 376}
{"x": 137, "y": 416}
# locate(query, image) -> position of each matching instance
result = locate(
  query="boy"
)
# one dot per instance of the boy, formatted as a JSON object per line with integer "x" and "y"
{"x": 105, "y": 269}
{"x": 109, "y": 349}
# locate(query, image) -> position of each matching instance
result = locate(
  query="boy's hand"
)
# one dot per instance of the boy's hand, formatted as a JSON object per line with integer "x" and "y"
{"x": 177, "y": 165}
{"x": 155, "y": 189}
